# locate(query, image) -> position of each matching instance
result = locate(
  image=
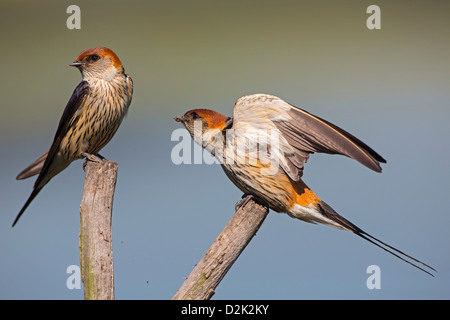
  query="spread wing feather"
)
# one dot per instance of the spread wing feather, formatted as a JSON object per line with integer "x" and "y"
{"x": 301, "y": 133}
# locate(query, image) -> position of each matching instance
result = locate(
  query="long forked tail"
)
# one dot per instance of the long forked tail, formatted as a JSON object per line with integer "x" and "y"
{"x": 34, "y": 168}
{"x": 343, "y": 223}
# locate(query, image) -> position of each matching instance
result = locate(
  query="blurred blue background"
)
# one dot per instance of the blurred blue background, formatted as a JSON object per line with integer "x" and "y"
{"x": 388, "y": 87}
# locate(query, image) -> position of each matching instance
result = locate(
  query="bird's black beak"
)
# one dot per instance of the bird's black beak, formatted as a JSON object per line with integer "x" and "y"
{"x": 179, "y": 119}
{"x": 76, "y": 64}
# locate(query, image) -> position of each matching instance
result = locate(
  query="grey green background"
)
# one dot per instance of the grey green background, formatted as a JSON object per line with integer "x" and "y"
{"x": 389, "y": 87}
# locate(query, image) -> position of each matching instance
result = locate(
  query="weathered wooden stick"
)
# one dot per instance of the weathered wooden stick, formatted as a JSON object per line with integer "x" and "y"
{"x": 96, "y": 257}
{"x": 207, "y": 274}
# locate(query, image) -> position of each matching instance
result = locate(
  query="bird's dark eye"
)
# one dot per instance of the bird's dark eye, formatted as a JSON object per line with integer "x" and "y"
{"x": 94, "y": 57}
{"x": 195, "y": 115}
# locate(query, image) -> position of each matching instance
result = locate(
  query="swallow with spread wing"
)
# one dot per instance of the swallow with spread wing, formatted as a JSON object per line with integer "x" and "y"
{"x": 273, "y": 177}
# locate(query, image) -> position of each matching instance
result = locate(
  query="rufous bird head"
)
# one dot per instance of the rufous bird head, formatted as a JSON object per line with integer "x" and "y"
{"x": 204, "y": 124}
{"x": 99, "y": 62}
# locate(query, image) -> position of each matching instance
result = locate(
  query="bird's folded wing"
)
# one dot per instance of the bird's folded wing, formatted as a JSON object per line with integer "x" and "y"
{"x": 75, "y": 103}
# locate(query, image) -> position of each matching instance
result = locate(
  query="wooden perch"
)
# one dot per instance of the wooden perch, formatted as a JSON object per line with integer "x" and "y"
{"x": 96, "y": 257}
{"x": 206, "y": 276}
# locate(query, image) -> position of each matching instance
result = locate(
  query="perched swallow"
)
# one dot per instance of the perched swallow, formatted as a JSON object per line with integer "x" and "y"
{"x": 91, "y": 118}
{"x": 263, "y": 149}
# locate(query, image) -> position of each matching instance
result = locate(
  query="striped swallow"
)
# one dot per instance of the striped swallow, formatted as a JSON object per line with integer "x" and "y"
{"x": 91, "y": 117}
{"x": 270, "y": 169}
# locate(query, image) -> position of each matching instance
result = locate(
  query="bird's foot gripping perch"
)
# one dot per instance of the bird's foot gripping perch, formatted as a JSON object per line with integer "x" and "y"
{"x": 245, "y": 199}
{"x": 92, "y": 157}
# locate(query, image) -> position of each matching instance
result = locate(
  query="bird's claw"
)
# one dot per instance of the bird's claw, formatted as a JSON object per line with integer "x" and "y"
{"x": 245, "y": 198}
{"x": 92, "y": 157}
